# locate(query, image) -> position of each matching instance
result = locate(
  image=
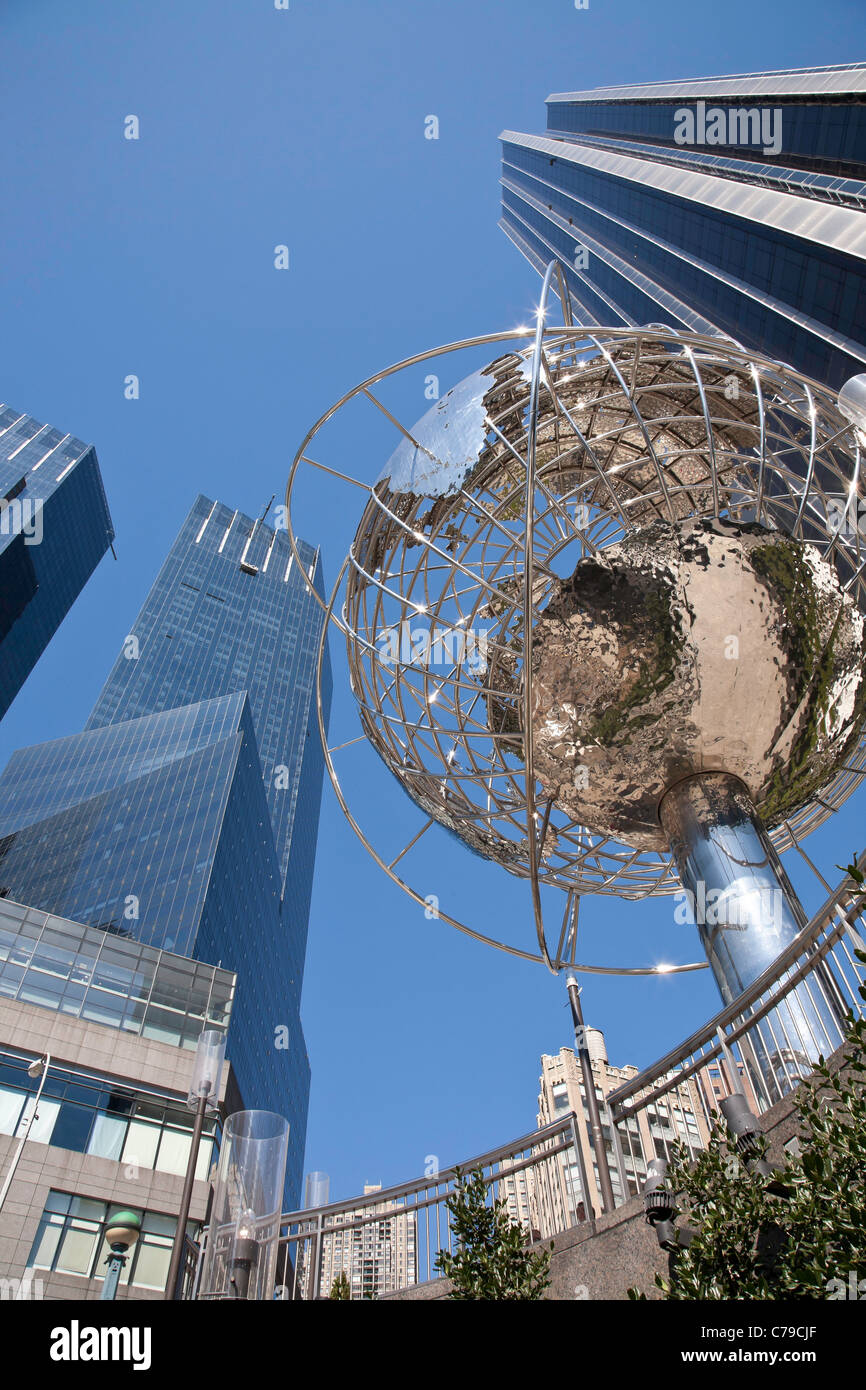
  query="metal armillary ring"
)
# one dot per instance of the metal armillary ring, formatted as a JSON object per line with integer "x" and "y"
{"x": 548, "y": 584}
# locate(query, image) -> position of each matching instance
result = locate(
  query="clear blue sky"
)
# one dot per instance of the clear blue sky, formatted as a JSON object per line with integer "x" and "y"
{"x": 155, "y": 257}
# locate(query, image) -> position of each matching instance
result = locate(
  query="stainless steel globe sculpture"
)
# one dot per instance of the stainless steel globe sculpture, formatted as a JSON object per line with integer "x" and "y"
{"x": 609, "y": 562}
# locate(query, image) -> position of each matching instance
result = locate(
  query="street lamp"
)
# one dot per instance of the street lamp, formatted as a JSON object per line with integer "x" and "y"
{"x": 245, "y": 1254}
{"x": 37, "y": 1068}
{"x": 203, "y": 1093}
{"x": 243, "y": 1237}
{"x": 580, "y": 1042}
{"x": 122, "y": 1232}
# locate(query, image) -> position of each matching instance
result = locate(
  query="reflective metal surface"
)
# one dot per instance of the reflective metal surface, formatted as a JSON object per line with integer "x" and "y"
{"x": 445, "y": 443}
{"x": 721, "y": 1049}
{"x": 733, "y": 882}
{"x": 852, "y": 401}
{"x": 565, "y": 443}
{"x": 738, "y": 894}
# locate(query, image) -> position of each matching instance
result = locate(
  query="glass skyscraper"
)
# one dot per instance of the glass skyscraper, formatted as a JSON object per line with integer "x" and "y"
{"x": 730, "y": 205}
{"x": 185, "y": 815}
{"x": 229, "y": 612}
{"x": 54, "y": 529}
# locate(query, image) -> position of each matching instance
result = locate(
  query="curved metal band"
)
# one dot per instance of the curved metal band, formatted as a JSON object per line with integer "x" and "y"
{"x": 595, "y": 865}
{"x": 482, "y": 338}
{"x": 538, "y": 958}
{"x": 528, "y": 576}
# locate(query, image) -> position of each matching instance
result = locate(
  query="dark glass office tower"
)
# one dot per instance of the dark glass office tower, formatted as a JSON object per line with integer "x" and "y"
{"x": 120, "y": 827}
{"x": 54, "y": 529}
{"x": 229, "y": 611}
{"x": 732, "y": 205}
{"x": 186, "y": 814}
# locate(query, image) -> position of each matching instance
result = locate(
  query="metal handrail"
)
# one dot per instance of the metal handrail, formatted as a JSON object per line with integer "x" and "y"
{"x": 736, "y": 1009}
{"x": 303, "y": 1232}
{"x": 376, "y": 1198}
{"x": 681, "y": 1071}
{"x": 547, "y": 1202}
{"x": 533, "y": 1140}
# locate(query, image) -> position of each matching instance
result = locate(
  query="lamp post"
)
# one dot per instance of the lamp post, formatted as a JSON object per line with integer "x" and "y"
{"x": 203, "y": 1092}
{"x": 122, "y": 1231}
{"x": 37, "y": 1068}
{"x": 243, "y": 1238}
{"x": 604, "y": 1182}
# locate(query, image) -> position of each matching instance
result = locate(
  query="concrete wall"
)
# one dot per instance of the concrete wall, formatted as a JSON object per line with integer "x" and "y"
{"x": 598, "y": 1260}
{"x": 603, "y": 1258}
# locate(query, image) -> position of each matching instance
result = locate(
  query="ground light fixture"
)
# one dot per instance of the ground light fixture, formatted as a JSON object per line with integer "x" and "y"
{"x": 121, "y": 1233}
{"x": 661, "y": 1207}
{"x": 745, "y": 1129}
{"x": 660, "y": 1200}
{"x": 204, "y": 1090}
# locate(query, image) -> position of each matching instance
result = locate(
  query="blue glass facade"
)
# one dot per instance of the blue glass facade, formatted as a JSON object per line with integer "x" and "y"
{"x": 713, "y": 235}
{"x": 119, "y": 827}
{"x": 230, "y": 612}
{"x": 185, "y": 815}
{"x": 54, "y": 529}
{"x": 827, "y": 136}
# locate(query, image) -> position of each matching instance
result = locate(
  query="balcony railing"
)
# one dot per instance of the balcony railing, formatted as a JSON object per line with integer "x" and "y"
{"x": 388, "y": 1240}
{"x": 744, "y": 1047}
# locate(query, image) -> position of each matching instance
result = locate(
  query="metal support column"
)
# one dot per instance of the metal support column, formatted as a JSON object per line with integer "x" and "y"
{"x": 604, "y": 1182}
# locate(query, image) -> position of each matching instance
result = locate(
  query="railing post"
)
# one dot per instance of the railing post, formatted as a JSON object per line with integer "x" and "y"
{"x": 588, "y": 1207}
{"x": 317, "y": 1254}
{"x": 733, "y": 1070}
{"x": 199, "y": 1262}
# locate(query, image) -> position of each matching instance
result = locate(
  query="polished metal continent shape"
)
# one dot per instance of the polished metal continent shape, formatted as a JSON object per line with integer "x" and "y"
{"x": 671, "y": 631}
{"x": 702, "y": 646}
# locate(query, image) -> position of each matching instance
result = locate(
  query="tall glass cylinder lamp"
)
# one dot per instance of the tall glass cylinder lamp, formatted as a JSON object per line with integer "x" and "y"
{"x": 203, "y": 1095}
{"x": 241, "y": 1255}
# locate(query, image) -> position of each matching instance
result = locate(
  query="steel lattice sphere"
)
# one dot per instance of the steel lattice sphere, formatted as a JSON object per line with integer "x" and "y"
{"x": 666, "y": 525}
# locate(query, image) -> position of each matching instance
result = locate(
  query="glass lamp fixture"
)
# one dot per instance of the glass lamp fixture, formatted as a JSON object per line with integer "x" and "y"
{"x": 241, "y": 1254}
{"x": 205, "y": 1080}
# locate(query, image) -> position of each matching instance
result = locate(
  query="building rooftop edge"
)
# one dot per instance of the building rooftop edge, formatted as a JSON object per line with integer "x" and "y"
{"x": 837, "y": 79}
{"x": 314, "y": 546}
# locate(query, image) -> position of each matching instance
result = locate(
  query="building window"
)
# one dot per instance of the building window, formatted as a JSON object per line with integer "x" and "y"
{"x": 71, "y": 1240}
{"x": 11, "y": 1105}
{"x": 560, "y": 1097}
{"x": 89, "y": 1115}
